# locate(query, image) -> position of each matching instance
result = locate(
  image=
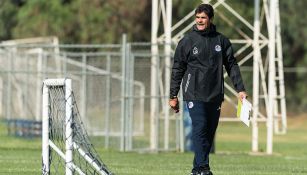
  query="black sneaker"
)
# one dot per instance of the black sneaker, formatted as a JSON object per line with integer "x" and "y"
{"x": 194, "y": 172}
{"x": 206, "y": 172}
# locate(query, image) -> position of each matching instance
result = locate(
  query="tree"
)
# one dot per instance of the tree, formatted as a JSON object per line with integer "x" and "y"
{"x": 82, "y": 21}
{"x": 294, "y": 33}
{"x": 43, "y": 18}
{"x": 7, "y": 19}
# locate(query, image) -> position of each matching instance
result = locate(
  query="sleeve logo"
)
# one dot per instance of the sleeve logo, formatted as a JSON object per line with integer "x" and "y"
{"x": 218, "y": 48}
{"x": 190, "y": 104}
{"x": 195, "y": 51}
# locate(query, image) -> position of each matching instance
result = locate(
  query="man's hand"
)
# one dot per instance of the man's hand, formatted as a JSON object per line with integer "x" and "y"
{"x": 242, "y": 95}
{"x": 174, "y": 104}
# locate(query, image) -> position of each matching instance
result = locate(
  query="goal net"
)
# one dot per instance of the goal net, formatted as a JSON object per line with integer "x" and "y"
{"x": 66, "y": 148}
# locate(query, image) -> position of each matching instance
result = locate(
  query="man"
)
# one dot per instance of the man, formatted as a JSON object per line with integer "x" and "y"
{"x": 198, "y": 64}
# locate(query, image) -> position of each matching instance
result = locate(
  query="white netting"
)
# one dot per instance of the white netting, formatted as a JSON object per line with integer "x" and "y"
{"x": 85, "y": 158}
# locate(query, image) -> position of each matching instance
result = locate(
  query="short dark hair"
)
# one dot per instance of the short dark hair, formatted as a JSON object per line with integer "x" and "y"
{"x": 206, "y": 8}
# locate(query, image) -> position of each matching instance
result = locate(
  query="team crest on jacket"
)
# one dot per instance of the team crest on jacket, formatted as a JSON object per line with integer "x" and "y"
{"x": 195, "y": 51}
{"x": 218, "y": 48}
{"x": 190, "y": 104}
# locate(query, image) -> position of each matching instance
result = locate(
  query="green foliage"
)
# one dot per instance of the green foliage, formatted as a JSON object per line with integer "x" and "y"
{"x": 294, "y": 34}
{"x": 77, "y": 21}
{"x": 43, "y": 18}
{"x": 7, "y": 19}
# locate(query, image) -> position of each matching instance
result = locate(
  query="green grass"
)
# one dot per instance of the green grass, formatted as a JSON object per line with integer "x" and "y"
{"x": 23, "y": 156}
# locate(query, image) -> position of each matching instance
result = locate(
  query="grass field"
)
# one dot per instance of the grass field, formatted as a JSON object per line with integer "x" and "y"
{"x": 23, "y": 156}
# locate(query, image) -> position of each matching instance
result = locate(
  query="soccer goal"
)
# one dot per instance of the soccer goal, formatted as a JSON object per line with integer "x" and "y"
{"x": 66, "y": 148}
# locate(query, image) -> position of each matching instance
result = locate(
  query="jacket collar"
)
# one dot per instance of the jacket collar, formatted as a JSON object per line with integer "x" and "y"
{"x": 211, "y": 29}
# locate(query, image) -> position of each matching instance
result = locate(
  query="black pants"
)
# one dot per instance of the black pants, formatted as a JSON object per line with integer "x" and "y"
{"x": 205, "y": 118}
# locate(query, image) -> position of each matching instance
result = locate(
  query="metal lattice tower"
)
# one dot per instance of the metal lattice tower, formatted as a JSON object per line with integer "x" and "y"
{"x": 268, "y": 75}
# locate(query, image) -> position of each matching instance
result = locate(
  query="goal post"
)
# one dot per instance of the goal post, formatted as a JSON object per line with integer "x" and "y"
{"x": 66, "y": 148}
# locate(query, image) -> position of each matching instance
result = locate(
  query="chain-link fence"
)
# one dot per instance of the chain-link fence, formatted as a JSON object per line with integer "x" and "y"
{"x": 110, "y": 82}
{"x": 112, "y": 85}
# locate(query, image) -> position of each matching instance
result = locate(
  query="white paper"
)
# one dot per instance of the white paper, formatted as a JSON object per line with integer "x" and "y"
{"x": 245, "y": 112}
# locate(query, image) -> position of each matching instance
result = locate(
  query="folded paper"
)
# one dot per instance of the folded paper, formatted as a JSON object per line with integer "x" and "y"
{"x": 244, "y": 110}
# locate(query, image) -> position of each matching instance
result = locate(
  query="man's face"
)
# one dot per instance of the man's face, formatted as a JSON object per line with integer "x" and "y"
{"x": 202, "y": 21}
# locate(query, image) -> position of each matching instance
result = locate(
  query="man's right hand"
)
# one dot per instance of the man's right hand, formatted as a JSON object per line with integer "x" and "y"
{"x": 174, "y": 104}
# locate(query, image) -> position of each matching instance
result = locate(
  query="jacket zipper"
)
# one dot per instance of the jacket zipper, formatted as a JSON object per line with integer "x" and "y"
{"x": 187, "y": 83}
{"x": 209, "y": 51}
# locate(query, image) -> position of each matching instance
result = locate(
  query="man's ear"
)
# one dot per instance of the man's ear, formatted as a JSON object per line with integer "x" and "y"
{"x": 211, "y": 19}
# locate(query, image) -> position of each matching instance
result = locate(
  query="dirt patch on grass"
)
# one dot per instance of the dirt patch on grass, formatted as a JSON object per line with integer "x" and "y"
{"x": 297, "y": 121}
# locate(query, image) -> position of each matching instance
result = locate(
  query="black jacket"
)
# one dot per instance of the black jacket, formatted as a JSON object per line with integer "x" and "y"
{"x": 198, "y": 63}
